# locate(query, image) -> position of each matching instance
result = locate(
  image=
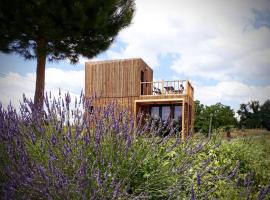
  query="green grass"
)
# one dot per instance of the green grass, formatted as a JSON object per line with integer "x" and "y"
{"x": 236, "y": 133}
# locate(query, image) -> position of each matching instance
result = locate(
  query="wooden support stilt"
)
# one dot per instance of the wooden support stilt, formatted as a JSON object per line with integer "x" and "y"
{"x": 183, "y": 120}
{"x": 135, "y": 114}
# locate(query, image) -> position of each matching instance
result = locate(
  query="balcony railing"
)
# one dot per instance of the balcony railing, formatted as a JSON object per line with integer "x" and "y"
{"x": 167, "y": 88}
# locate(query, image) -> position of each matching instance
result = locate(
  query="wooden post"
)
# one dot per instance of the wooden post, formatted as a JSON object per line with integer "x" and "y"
{"x": 193, "y": 115}
{"x": 135, "y": 113}
{"x": 140, "y": 88}
{"x": 187, "y": 128}
{"x": 183, "y": 119}
{"x": 187, "y": 88}
{"x": 179, "y": 133}
{"x": 162, "y": 85}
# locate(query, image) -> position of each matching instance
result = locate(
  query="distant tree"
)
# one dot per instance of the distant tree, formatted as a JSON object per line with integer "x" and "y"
{"x": 199, "y": 116}
{"x": 250, "y": 115}
{"x": 244, "y": 115}
{"x": 256, "y": 120}
{"x": 60, "y": 29}
{"x": 265, "y": 114}
{"x": 222, "y": 116}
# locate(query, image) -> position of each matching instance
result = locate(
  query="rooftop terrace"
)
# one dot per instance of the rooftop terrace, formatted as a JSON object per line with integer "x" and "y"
{"x": 176, "y": 87}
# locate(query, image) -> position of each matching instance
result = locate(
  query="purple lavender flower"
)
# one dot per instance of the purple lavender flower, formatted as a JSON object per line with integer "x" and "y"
{"x": 52, "y": 156}
{"x": 198, "y": 179}
{"x": 98, "y": 178}
{"x": 116, "y": 190}
{"x": 97, "y": 154}
{"x": 192, "y": 194}
{"x": 86, "y": 138}
{"x": 53, "y": 139}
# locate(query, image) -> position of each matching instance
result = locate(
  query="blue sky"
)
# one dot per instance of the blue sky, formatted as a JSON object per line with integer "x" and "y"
{"x": 222, "y": 47}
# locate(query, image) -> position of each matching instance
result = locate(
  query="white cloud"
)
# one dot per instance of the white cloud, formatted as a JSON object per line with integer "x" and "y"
{"x": 13, "y": 85}
{"x": 211, "y": 37}
{"x": 231, "y": 93}
{"x": 71, "y": 80}
{"x": 216, "y": 40}
{"x": 82, "y": 59}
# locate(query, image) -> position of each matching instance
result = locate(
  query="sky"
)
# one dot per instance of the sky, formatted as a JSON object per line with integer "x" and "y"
{"x": 222, "y": 47}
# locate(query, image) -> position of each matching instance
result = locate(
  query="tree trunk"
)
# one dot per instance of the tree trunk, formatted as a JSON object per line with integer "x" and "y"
{"x": 40, "y": 74}
{"x": 228, "y": 133}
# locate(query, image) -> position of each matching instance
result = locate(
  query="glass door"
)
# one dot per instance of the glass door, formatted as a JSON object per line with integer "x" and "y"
{"x": 178, "y": 113}
{"x": 155, "y": 112}
{"x": 165, "y": 112}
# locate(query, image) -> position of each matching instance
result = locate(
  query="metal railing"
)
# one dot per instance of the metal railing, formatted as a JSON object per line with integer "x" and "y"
{"x": 166, "y": 88}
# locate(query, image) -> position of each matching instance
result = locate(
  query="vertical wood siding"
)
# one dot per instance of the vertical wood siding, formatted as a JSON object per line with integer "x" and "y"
{"x": 119, "y": 78}
{"x": 119, "y": 82}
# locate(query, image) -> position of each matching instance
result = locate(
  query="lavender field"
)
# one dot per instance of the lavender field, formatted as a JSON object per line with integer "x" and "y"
{"x": 68, "y": 150}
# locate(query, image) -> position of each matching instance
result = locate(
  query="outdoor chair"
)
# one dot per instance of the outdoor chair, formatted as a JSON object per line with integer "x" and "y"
{"x": 156, "y": 91}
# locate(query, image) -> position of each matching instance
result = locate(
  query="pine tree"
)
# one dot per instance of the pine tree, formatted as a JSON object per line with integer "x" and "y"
{"x": 51, "y": 30}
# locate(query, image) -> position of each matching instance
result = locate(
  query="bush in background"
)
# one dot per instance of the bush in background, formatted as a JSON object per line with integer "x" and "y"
{"x": 255, "y": 115}
{"x": 222, "y": 116}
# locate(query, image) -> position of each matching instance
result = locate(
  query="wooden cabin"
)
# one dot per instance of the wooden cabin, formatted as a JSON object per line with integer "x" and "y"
{"x": 129, "y": 83}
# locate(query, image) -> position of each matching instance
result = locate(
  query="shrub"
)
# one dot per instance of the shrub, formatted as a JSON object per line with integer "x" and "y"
{"x": 84, "y": 153}
{"x": 254, "y": 170}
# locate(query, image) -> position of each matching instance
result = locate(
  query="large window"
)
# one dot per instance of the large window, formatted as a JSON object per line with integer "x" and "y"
{"x": 155, "y": 112}
{"x": 165, "y": 113}
{"x": 178, "y": 113}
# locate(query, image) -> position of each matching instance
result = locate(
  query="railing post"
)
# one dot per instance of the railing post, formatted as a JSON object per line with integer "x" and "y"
{"x": 187, "y": 88}
{"x": 162, "y": 85}
{"x": 183, "y": 119}
{"x": 180, "y": 86}
{"x": 141, "y": 88}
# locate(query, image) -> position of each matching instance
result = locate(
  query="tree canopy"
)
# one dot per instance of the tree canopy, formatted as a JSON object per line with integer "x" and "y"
{"x": 265, "y": 114}
{"x": 60, "y": 29}
{"x": 222, "y": 116}
{"x": 254, "y": 115}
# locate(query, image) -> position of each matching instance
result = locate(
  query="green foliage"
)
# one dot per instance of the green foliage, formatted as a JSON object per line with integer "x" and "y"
{"x": 151, "y": 169}
{"x": 71, "y": 155}
{"x": 222, "y": 116}
{"x": 253, "y": 154}
{"x": 68, "y": 28}
{"x": 254, "y": 115}
{"x": 265, "y": 114}
{"x": 60, "y": 29}
{"x": 200, "y": 118}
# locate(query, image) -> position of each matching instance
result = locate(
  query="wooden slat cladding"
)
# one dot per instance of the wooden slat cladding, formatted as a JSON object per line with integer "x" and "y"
{"x": 153, "y": 97}
{"x": 116, "y": 78}
{"x": 125, "y": 103}
{"x": 119, "y": 82}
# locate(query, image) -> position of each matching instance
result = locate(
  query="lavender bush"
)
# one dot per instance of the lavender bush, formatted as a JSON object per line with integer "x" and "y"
{"x": 75, "y": 151}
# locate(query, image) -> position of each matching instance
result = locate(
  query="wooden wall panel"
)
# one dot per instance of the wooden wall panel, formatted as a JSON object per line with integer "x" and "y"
{"x": 153, "y": 97}
{"x": 123, "y": 103}
{"x": 119, "y": 81}
{"x": 115, "y": 78}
